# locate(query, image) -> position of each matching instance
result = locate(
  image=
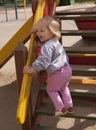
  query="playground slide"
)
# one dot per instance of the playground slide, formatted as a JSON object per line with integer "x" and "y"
{"x": 21, "y": 35}
{"x": 27, "y": 78}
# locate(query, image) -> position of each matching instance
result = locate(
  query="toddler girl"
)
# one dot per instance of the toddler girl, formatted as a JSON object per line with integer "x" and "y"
{"x": 54, "y": 60}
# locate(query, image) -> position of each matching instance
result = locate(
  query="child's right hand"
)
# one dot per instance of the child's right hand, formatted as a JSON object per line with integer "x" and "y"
{"x": 27, "y": 69}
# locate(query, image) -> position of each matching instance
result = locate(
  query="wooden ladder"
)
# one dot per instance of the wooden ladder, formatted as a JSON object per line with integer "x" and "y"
{"x": 82, "y": 57}
{"x": 83, "y": 82}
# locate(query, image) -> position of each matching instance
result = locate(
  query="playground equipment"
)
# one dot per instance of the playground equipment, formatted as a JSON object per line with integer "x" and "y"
{"x": 16, "y": 3}
{"x": 22, "y": 3}
{"x": 4, "y": 57}
{"x": 82, "y": 58}
{"x": 23, "y": 101}
{"x": 46, "y": 109}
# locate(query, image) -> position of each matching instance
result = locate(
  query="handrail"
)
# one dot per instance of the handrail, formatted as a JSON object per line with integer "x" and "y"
{"x": 27, "y": 78}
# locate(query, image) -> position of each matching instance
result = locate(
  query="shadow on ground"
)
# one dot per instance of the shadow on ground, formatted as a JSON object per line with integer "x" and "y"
{"x": 8, "y": 105}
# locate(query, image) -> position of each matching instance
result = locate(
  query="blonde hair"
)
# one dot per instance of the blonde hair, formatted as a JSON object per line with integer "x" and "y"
{"x": 52, "y": 25}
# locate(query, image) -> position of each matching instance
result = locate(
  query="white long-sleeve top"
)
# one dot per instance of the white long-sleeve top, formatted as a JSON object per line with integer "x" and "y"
{"x": 52, "y": 57}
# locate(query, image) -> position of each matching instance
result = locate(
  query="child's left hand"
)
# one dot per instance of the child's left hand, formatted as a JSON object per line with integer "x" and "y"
{"x": 34, "y": 29}
{"x": 28, "y": 69}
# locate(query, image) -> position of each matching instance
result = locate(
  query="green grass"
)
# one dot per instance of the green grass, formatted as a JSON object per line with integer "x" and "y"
{"x": 83, "y": 1}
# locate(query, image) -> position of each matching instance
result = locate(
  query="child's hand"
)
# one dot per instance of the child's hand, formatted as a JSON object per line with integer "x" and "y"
{"x": 28, "y": 69}
{"x": 33, "y": 30}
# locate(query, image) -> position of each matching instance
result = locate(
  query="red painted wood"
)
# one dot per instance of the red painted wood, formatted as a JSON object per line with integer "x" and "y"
{"x": 81, "y": 60}
{"x": 87, "y": 25}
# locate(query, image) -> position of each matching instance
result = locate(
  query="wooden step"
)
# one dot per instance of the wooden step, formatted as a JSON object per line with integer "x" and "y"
{"x": 84, "y": 70}
{"x": 76, "y": 17}
{"x": 76, "y": 12}
{"x": 83, "y": 80}
{"x": 82, "y": 59}
{"x": 78, "y": 32}
{"x": 76, "y": 9}
{"x": 85, "y": 33}
{"x": 81, "y": 46}
{"x": 82, "y": 109}
{"x": 80, "y": 50}
{"x": 83, "y": 91}
{"x": 78, "y": 90}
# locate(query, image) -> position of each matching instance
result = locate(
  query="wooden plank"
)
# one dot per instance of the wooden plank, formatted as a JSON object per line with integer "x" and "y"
{"x": 90, "y": 68}
{"x": 74, "y": 12}
{"x": 83, "y": 80}
{"x": 83, "y": 90}
{"x": 80, "y": 47}
{"x": 21, "y": 55}
{"x": 84, "y": 70}
{"x": 85, "y": 50}
{"x": 83, "y": 55}
{"x": 82, "y": 110}
{"x": 78, "y": 90}
{"x": 82, "y": 59}
{"x": 78, "y": 32}
{"x": 87, "y": 25}
{"x": 77, "y": 9}
{"x": 76, "y": 17}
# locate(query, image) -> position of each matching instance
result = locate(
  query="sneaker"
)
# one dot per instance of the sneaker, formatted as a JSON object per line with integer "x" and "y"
{"x": 61, "y": 112}
{"x": 70, "y": 110}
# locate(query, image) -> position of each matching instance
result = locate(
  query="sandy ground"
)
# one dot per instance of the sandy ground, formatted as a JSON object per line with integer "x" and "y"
{"x": 8, "y": 88}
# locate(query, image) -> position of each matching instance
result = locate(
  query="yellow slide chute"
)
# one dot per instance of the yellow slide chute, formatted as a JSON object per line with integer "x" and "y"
{"x": 20, "y": 36}
{"x": 27, "y": 78}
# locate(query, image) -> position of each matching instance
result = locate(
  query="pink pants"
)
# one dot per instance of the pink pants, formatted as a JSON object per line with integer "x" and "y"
{"x": 57, "y": 87}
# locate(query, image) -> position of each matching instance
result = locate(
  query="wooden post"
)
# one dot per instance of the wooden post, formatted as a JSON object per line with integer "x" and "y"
{"x": 20, "y": 58}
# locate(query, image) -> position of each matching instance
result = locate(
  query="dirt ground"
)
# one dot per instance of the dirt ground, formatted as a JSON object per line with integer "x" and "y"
{"x": 8, "y": 87}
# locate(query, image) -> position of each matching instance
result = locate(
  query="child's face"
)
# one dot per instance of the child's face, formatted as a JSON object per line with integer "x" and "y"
{"x": 43, "y": 33}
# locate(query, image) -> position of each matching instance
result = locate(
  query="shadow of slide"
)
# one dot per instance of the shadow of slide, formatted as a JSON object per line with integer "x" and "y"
{"x": 8, "y": 105}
